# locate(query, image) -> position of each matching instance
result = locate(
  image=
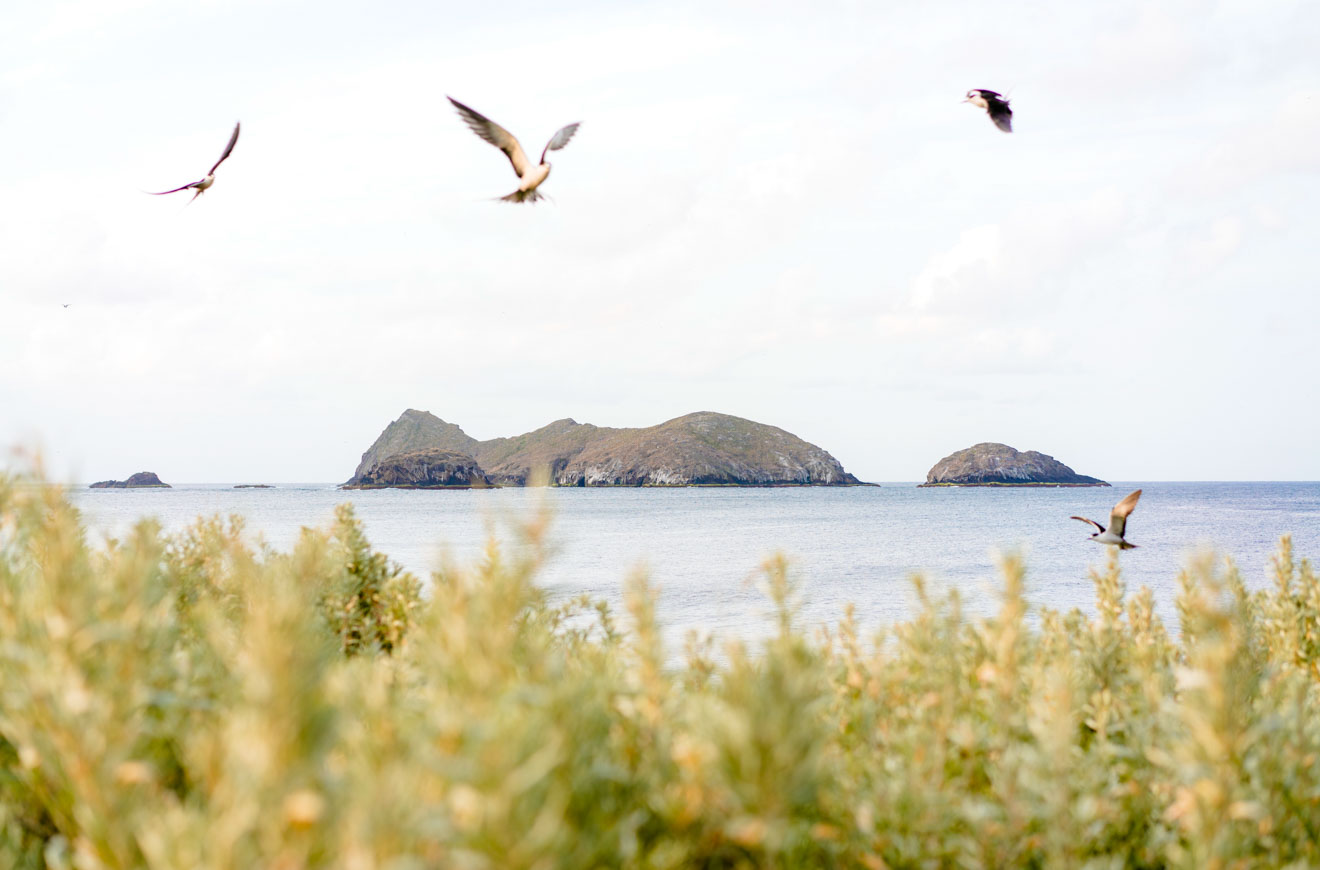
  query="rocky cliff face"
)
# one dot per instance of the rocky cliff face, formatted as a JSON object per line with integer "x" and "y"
{"x": 431, "y": 468}
{"x": 991, "y": 464}
{"x": 141, "y": 480}
{"x": 544, "y": 452}
{"x": 698, "y": 449}
{"x": 416, "y": 430}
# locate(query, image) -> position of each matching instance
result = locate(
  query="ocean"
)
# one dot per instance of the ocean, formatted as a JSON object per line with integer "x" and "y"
{"x": 858, "y": 545}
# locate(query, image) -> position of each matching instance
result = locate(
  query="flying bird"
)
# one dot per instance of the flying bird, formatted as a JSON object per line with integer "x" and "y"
{"x": 995, "y": 106}
{"x": 1117, "y": 523}
{"x": 201, "y": 186}
{"x": 532, "y": 176}
{"x": 66, "y": 304}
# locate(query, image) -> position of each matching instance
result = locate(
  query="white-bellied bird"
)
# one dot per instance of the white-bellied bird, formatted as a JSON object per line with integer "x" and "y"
{"x": 1117, "y": 523}
{"x": 995, "y": 106}
{"x": 201, "y": 186}
{"x": 531, "y": 176}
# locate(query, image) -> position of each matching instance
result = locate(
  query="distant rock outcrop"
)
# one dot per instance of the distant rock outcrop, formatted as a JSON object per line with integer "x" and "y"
{"x": 992, "y": 464}
{"x": 141, "y": 480}
{"x": 430, "y": 468}
{"x": 702, "y": 449}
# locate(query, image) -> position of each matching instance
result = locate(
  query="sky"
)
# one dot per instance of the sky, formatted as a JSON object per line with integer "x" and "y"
{"x": 778, "y": 211}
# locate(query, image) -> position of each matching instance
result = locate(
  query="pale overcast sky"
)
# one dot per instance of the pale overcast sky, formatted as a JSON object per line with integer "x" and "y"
{"x": 778, "y": 211}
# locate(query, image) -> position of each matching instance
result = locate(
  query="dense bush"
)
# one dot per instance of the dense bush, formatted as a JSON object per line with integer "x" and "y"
{"x": 200, "y": 701}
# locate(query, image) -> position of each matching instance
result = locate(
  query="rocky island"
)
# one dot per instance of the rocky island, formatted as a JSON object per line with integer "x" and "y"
{"x": 419, "y": 450}
{"x": 993, "y": 464}
{"x": 141, "y": 480}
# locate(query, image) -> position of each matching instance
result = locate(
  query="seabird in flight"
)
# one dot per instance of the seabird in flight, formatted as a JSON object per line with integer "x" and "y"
{"x": 201, "y": 186}
{"x": 995, "y": 106}
{"x": 532, "y": 176}
{"x": 1117, "y": 523}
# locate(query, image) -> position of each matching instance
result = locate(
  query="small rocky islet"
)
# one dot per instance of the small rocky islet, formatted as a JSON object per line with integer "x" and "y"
{"x": 141, "y": 480}
{"x": 421, "y": 451}
{"x": 992, "y": 464}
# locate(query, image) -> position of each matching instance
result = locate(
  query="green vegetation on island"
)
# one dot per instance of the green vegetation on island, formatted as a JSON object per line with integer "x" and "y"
{"x": 200, "y": 700}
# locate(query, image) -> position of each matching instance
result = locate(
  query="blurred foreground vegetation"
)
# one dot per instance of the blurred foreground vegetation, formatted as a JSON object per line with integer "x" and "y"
{"x": 195, "y": 700}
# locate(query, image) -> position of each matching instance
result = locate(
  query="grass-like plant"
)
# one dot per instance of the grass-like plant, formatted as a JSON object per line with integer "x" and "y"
{"x": 199, "y": 700}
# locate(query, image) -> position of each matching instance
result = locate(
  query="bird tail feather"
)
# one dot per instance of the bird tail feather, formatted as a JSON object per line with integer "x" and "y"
{"x": 522, "y": 196}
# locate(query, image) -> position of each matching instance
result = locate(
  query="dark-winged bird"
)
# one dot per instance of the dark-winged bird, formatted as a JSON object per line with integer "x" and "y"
{"x": 995, "y": 106}
{"x": 1117, "y": 523}
{"x": 531, "y": 176}
{"x": 201, "y": 186}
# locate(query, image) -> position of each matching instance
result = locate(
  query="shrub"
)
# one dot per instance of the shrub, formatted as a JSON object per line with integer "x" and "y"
{"x": 193, "y": 700}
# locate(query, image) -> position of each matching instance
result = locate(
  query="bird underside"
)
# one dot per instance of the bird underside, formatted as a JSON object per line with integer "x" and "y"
{"x": 1108, "y": 537}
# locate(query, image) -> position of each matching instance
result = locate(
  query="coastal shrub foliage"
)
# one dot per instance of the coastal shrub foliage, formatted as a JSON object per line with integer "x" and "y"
{"x": 198, "y": 700}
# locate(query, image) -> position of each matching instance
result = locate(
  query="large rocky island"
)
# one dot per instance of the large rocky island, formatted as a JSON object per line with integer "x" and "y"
{"x": 419, "y": 450}
{"x": 141, "y": 480}
{"x": 992, "y": 464}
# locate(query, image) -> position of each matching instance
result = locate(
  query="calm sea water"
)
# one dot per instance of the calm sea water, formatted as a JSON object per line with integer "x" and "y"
{"x": 860, "y": 545}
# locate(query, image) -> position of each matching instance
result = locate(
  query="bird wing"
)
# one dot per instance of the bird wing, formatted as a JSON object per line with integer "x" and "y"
{"x": 495, "y": 135}
{"x": 1092, "y": 522}
{"x": 560, "y": 139}
{"x": 1001, "y": 114}
{"x": 1118, "y": 517}
{"x": 228, "y": 148}
{"x": 175, "y": 190}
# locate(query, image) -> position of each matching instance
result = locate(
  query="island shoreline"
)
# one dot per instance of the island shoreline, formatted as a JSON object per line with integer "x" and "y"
{"x": 348, "y": 486}
{"x": 1024, "y": 484}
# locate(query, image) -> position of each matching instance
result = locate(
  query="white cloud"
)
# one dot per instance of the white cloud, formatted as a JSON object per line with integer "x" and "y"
{"x": 1220, "y": 240}
{"x": 1020, "y": 258}
{"x": 1279, "y": 141}
{"x": 973, "y": 265}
